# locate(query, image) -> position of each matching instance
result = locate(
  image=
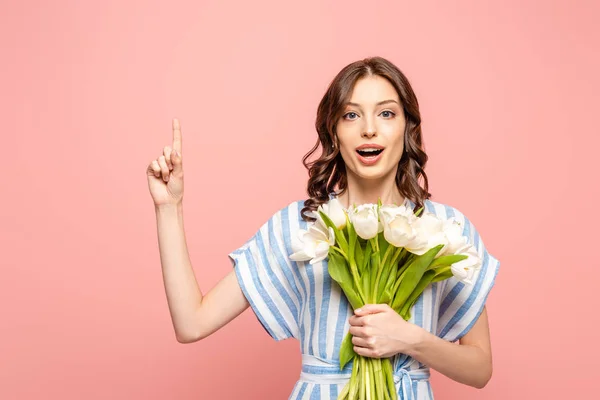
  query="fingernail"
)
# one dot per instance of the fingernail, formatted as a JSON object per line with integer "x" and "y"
{"x": 358, "y": 310}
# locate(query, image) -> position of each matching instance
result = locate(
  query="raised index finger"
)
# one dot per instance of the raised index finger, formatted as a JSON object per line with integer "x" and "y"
{"x": 176, "y": 135}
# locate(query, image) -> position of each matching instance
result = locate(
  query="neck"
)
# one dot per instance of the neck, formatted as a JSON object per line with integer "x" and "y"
{"x": 362, "y": 191}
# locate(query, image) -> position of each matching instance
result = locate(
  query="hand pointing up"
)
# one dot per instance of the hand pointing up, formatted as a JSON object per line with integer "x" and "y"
{"x": 165, "y": 174}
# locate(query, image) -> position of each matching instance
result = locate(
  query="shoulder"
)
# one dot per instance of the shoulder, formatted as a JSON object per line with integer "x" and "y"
{"x": 470, "y": 231}
{"x": 286, "y": 220}
{"x": 291, "y": 212}
{"x": 443, "y": 210}
{"x": 447, "y": 211}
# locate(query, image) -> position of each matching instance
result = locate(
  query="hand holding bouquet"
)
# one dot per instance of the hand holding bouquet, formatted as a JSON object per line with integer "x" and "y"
{"x": 383, "y": 254}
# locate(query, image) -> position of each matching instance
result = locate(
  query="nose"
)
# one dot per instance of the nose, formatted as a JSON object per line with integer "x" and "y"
{"x": 369, "y": 128}
{"x": 369, "y": 133}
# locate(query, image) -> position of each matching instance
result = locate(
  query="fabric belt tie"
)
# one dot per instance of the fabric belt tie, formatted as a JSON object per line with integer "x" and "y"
{"x": 320, "y": 371}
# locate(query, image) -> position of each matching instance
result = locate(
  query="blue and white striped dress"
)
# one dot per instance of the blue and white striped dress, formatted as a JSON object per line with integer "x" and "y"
{"x": 299, "y": 300}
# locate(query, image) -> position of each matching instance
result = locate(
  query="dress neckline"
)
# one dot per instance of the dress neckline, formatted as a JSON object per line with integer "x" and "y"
{"x": 407, "y": 201}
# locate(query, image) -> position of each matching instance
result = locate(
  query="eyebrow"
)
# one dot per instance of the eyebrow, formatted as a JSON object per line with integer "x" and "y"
{"x": 378, "y": 104}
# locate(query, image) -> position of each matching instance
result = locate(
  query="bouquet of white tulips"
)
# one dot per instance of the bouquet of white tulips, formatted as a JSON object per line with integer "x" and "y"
{"x": 383, "y": 254}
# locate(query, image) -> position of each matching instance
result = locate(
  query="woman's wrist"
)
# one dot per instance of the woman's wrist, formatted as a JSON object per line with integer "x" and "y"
{"x": 420, "y": 339}
{"x": 168, "y": 208}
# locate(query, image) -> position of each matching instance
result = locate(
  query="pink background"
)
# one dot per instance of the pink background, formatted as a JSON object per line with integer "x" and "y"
{"x": 509, "y": 94}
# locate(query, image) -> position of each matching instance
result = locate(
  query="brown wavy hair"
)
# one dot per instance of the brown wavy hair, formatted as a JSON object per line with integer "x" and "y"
{"x": 328, "y": 172}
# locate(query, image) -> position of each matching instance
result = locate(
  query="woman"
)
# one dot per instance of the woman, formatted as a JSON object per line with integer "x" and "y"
{"x": 369, "y": 128}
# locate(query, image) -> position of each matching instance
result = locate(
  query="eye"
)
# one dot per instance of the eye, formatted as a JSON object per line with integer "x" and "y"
{"x": 390, "y": 114}
{"x": 347, "y": 115}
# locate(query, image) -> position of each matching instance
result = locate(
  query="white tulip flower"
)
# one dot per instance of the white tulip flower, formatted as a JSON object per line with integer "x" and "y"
{"x": 429, "y": 234}
{"x": 365, "y": 221}
{"x": 465, "y": 269}
{"x": 312, "y": 244}
{"x": 334, "y": 210}
{"x": 387, "y": 212}
{"x": 453, "y": 231}
{"x": 399, "y": 231}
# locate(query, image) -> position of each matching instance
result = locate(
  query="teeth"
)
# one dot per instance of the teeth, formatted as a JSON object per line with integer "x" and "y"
{"x": 370, "y": 149}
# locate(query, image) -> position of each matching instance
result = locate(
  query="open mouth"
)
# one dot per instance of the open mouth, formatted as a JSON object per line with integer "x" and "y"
{"x": 369, "y": 153}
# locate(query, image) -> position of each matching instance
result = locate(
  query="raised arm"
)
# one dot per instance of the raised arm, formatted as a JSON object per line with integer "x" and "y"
{"x": 193, "y": 315}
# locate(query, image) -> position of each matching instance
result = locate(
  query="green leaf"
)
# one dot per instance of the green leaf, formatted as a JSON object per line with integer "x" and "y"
{"x": 352, "y": 236}
{"x": 387, "y": 266}
{"x": 401, "y": 272}
{"x": 382, "y": 243}
{"x": 366, "y": 283}
{"x": 398, "y": 255}
{"x": 385, "y": 297}
{"x": 346, "y": 351}
{"x": 354, "y": 298}
{"x": 405, "y": 314}
{"x": 447, "y": 260}
{"x": 339, "y": 271}
{"x": 442, "y": 275}
{"x": 359, "y": 254}
{"x": 381, "y": 283}
{"x": 412, "y": 275}
{"x": 391, "y": 279}
{"x": 423, "y": 283}
{"x": 339, "y": 235}
{"x": 338, "y": 267}
{"x": 400, "y": 296}
{"x": 373, "y": 278}
{"x": 367, "y": 257}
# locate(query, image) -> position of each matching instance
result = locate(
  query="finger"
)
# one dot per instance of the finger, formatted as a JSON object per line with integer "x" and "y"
{"x": 366, "y": 352}
{"x": 167, "y": 153}
{"x": 356, "y": 321}
{"x": 371, "y": 309}
{"x": 176, "y": 135}
{"x": 361, "y": 342}
{"x": 155, "y": 168}
{"x": 163, "y": 168}
{"x": 177, "y": 164}
{"x": 356, "y": 331}
{"x": 363, "y": 321}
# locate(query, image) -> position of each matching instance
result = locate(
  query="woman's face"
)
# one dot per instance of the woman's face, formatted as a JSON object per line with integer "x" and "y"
{"x": 372, "y": 119}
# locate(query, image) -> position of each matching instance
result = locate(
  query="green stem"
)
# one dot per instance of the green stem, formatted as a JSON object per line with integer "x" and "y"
{"x": 382, "y": 265}
{"x": 387, "y": 252}
{"x": 363, "y": 392}
{"x": 354, "y": 381}
{"x": 398, "y": 255}
{"x": 368, "y": 383}
{"x": 340, "y": 251}
{"x": 354, "y": 273}
{"x": 371, "y": 379}
{"x": 344, "y": 394}
{"x": 398, "y": 281}
{"x": 388, "y": 370}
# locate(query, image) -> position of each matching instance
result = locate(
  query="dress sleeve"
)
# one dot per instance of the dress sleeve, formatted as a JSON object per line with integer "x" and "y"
{"x": 266, "y": 279}
{"x": 462, "y": 304}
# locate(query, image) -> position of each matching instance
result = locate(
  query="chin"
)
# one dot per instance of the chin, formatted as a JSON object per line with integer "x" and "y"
{"x": 370, "y": 173}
